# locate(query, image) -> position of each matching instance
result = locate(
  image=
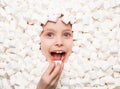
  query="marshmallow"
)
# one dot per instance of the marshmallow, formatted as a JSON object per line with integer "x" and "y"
{"x": 2, "y": 72}
{"x": 66, "y": 19}
{"x": 58, "y": 62}
{"x": 116, "y": 68}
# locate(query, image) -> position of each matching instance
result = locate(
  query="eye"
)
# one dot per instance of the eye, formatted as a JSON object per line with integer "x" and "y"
{"x": 67, "y": 35}
{"x": 50, "y": 35}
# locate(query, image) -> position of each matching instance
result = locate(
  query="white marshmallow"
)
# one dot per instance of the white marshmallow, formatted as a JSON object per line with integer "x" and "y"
{"x": 2, "y": 72}
{"x": 6, "y": 84}
{"x": 66, "y": 19}
{"x": 58, "y": 62}
{"x": 116, "y": 68}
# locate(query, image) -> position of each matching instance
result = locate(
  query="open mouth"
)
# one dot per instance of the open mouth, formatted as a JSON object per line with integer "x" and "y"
{"x": 58, "y": 55}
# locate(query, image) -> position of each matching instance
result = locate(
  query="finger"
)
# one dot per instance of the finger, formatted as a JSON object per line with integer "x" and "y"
{"x": 56, "y": 79}
{"x": 55, "y": 82}
{"x": 57, "y": 71}
{"x": 50, "y": 68}
{"x": 58, "y": 75}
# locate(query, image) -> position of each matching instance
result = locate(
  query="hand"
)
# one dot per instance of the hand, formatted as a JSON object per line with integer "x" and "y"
{"x": 118, "y": 87}
{"x": 49, "y": 79}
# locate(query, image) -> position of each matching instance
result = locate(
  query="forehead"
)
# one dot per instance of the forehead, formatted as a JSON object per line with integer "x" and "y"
{"x": 57, "y": 25}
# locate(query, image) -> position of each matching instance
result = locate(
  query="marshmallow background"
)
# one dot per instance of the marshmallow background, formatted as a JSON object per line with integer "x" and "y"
{"x": 95, "y": 61}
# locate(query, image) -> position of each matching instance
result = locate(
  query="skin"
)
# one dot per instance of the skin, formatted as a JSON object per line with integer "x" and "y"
{"x": 118, "y": 87}
{"x": 56, "y": 36}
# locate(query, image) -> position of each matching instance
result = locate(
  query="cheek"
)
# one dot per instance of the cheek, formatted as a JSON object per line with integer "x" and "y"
{"x": 69, "y": 44}
{"x": 45, "y": 45}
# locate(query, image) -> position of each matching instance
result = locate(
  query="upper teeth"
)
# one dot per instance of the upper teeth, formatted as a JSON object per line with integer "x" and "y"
{"x": 58, "y": 51}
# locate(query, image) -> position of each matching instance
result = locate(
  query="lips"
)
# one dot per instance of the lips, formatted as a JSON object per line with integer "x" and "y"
{"x": 58, "y": 55}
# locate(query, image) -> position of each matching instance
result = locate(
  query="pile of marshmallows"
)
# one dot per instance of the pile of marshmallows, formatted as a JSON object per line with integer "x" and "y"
{"x": 95, "y": 60}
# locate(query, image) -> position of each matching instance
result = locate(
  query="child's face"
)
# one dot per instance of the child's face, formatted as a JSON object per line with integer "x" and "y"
{"x": 56, "y": 40}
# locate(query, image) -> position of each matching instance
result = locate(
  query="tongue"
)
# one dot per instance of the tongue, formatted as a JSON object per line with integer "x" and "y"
{"x": 57, "y": 56}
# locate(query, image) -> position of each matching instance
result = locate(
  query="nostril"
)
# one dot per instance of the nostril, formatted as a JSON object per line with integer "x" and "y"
{"x": 59, "y": 45}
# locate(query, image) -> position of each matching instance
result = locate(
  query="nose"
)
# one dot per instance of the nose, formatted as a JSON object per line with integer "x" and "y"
{"x": 59, "y": 41}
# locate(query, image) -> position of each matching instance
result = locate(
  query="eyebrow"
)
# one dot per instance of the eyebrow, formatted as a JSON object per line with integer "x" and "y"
{"x": 48, "y": 29}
